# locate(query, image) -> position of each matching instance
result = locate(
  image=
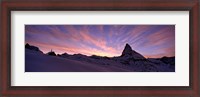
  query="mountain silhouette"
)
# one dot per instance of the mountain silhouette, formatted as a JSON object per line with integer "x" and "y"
{"x": 128, "y": 61}
{"x": 129, "y": 53}
{"x": 31, "y": 47}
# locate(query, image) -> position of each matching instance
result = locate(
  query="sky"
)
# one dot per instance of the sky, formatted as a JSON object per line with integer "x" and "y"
{"x": 152, "y": 41}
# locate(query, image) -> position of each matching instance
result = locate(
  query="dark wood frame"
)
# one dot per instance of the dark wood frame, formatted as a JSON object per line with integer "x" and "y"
{"x": 193, "y": 90}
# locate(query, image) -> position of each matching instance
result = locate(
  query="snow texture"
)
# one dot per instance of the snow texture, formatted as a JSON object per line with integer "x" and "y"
{"x": 129, "y": 61}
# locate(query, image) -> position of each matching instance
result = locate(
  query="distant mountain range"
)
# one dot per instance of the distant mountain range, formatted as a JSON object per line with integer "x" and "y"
{"x": 129, "y": 61}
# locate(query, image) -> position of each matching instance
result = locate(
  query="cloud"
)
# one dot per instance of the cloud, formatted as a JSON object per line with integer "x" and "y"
{"x": 86, "y": 37}
{"x": 104, "y": 40}
{"x": 161, "y": 37}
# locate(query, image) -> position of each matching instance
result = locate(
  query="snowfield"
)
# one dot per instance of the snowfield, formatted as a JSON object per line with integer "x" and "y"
{"x": 38, "y": 62}
{"x": 129, "y": 61}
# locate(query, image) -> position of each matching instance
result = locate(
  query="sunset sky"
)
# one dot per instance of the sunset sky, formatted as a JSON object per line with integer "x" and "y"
{"x": 104, "y": 40}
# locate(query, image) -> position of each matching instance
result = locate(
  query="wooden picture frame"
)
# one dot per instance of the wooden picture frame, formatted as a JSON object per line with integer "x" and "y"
{"x": 193, "y": 90}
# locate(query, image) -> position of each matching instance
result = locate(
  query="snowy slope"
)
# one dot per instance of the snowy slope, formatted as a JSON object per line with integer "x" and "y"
{"x": 129, "y": 61}
{"x": 37, "y": 62}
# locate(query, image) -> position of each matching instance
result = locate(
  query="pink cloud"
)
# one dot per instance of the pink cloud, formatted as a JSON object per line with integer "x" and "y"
{"x": 76, "y": 36}
{"x": 84, "y": 35}
{"x": 71, "y": 50}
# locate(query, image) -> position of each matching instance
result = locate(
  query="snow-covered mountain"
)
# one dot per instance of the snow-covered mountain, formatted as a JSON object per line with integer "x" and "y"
{"x": 139, "y": 63}
{"x": 129, "y": 61}
{"x": 34, "y": 48}
{"x": 129, "y": 53}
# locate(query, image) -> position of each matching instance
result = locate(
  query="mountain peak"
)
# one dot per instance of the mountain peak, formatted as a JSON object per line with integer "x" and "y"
{"x": 128, "y": 46}
{"x": 129, "y": 53}
{"x": 127, "y": 49}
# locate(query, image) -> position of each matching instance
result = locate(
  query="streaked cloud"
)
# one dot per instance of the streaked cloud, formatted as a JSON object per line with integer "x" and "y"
{"x": 103, "y": 40}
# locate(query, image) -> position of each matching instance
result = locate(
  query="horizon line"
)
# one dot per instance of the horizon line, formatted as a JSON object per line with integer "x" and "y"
{"x": 89, "y": 55}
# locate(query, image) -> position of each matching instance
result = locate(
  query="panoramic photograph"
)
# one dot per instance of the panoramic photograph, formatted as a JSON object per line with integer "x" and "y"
{"x": 99, "y": 48}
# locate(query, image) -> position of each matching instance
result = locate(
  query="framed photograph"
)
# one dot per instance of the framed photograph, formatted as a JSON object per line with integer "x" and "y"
{"x": 138, "y": 48}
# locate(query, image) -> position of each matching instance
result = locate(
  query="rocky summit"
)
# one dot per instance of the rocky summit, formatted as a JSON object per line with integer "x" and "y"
{"x": 129, "y": 53}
